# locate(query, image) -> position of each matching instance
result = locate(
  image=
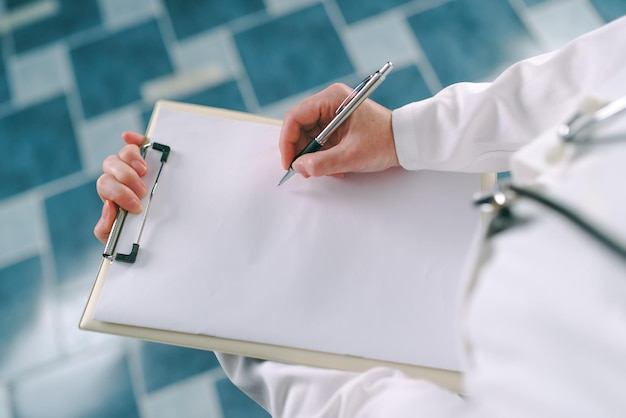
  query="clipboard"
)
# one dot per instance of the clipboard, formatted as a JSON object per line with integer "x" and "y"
{"x": 213, "y": 342}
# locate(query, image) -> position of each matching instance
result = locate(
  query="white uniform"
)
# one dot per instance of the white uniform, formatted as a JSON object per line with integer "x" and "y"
{"x": 544, "y": 316}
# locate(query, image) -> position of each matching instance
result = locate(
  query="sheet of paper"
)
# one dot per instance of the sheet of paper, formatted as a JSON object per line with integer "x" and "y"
{"x": 367, "y": 265}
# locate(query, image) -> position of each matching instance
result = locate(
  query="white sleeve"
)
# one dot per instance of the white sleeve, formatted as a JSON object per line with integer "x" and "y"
{"x": 477, "y": 126}
{"x": 300, "y": 391}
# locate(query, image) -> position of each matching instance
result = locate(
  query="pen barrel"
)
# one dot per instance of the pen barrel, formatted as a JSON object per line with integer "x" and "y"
{"x": 311, "y": 147}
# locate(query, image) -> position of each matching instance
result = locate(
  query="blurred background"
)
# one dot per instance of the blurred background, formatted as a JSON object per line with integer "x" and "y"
{"x": 75, "y": 74}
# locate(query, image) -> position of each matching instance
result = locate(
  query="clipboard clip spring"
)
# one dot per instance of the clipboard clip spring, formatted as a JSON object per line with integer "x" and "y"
{"x": 109, "y": 248}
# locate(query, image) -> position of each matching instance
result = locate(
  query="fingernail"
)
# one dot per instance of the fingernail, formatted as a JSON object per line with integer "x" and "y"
{"x": 135, "y": 206}
{"x": 139, "y": 166}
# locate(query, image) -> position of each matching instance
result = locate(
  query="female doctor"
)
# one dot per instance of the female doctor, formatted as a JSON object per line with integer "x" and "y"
{"x": 544, "y": 307}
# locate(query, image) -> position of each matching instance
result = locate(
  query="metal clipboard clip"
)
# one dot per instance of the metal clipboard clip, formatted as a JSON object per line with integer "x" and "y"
{"x": 118, "y": 224}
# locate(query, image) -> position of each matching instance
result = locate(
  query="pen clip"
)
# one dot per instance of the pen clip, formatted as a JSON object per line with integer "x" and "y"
{"x": 354, "y": 92}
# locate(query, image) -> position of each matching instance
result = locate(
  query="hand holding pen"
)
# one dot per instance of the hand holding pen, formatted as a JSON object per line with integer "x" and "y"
{"x": 359, "y": 140}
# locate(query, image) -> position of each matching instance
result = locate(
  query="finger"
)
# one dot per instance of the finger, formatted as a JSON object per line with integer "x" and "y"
{"x": 124, "y": 174}
{"x": 133, "y": 138}
{"x": 109, "y": 188}
{"x": 307, "y": 118}
{"x": 131, "y": 155}
{"x": 105, "y": 223}
{"x": 293, "y": 131}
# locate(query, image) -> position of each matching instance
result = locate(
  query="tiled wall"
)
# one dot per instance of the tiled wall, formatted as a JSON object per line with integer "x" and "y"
{"x": 75, "y": 74}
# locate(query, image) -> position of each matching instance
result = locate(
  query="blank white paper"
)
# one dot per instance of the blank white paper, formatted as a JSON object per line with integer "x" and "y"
{"x": 367, "y": 265}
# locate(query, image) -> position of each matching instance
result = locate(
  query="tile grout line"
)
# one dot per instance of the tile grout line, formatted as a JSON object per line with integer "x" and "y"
{"x": 51, "y": 288}
{"x": 168, "y": 33}
{"x": 341, "y": 26}
{"x": 243, "y": 79}
{"x": 138, "y": 383}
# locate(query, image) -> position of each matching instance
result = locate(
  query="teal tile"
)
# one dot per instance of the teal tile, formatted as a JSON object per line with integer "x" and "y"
{"x": 110, "y": 72}
{"x": 40, "y": 152}
{"x": 190, "y": 17}
{"x": 5, "y": 93}
{"x": 226, "y": 95}
{"x": 236, "y": 404}
{"x": 21, "y": 289}
{"x": 14, "y": 4}
{"x": 71, "y": 18}
{"x": 610, "y": 9}
{"x": 291, "y": 54}
{"x": 402, "y": 86}
{"x": 72, "y": 216}
{"x": 469, "y": 40}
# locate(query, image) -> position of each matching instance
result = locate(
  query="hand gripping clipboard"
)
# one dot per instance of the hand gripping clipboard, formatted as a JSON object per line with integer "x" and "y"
{"x": 159, "y": 159}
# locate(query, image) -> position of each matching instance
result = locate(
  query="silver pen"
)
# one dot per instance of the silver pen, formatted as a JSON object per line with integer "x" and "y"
{"x": 349, "y": 105}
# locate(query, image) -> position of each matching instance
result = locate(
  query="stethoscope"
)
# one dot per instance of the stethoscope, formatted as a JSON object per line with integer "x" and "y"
{"x": 500, "y": 202}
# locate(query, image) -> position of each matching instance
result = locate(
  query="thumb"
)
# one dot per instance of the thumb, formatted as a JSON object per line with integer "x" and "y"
{"x": 104, "y": 225}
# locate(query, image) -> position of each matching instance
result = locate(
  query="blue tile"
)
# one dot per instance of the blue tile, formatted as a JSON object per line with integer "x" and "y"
{"x": 71, "y": 218}
{"x": 164, "y": 365}
{"x": 110, "y": 72}
{"x": 467, "y": 40}
{"x": 236, "y": 404}
{"x": 72, "y": 17}
{"x": 14, "y": 4}
{"x": 292, "y": 54}
{"x": 355, "y": 10}
{"x": 40, "y": 152}
{"x": 96, "y": 386}
{"x": 5, "y": 93}
{"x": 226, "y": 95}
{"x": 402, "y": 86}
{"x": 21, "y": 287}
{"x": 190, "y": 17}
{"x": 610, "y": 9}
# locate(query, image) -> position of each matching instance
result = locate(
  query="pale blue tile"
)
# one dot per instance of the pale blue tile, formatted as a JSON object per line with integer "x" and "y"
{"x": 94, "y": 385}
{"x": 355, "y": 10}
{"x": 163, "y": 365}
{"x": 534, "y": 2}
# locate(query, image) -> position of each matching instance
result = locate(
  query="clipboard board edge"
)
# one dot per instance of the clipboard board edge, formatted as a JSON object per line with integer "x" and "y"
{"x": 449, "y": 379}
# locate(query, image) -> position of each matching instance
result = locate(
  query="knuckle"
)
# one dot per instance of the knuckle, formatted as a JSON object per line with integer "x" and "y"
{"x": 128, "y": 152}
{"x": 339, "y": 88}
{"x": 108, "y": 163}
{"x": 101, "y": 182}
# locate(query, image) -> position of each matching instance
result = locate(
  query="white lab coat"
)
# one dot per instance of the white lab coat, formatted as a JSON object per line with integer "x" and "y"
{"x": 544, "y": 311}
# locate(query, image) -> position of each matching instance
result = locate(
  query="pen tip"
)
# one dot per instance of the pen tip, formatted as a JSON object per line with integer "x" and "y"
{"x": 287, "y": 176}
